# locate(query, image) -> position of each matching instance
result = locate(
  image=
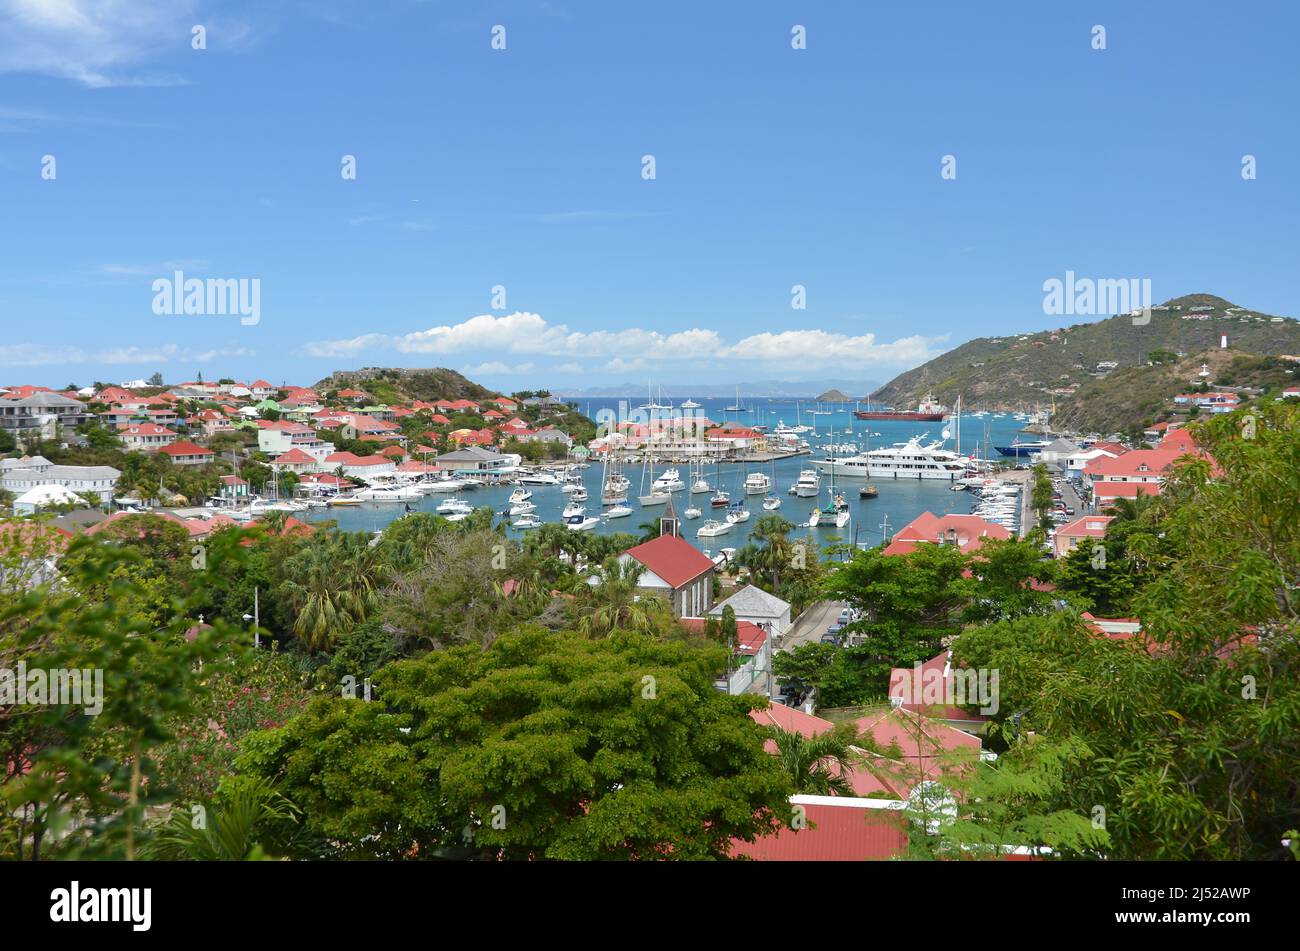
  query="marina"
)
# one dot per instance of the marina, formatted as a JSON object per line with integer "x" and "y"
{"x": 794, "y": 485}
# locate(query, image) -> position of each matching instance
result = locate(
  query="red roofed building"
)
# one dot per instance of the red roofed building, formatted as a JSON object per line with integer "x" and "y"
{"x": 674, "y": 569}
{"x": 835, "y": 829}
{"x": 1071, "y": 534}
{"x": 967, "y": 531}
{"x": 440, "y": 419}
{"x": 185, "y": 453}
{"x": 1180, "y": 439}
{"x": 1141, "y": 471}
{"x": 931, "y": 689}
{"x": 295, "y": 460}
{"x": 145, "y": 436}
{"x": 749, "y": 636}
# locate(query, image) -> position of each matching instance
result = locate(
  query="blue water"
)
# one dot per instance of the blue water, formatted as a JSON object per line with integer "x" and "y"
{"x": 900, "y": 500}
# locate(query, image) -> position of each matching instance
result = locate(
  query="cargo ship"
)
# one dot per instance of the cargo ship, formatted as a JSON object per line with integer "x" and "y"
{"x": 927, "y": 411}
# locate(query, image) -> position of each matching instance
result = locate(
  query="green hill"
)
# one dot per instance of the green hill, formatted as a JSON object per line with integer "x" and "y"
{"x": 396, "y": 384}
{"x": 1023, "y": 370}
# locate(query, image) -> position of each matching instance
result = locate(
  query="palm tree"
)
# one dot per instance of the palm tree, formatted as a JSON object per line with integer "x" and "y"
{"x": 1130, "y": 510}
{"x": 331, "y": 585}
{"x": 649, "y": 531}
{"x": 817, "y": 765}
{"x": 770, "y": 531}
{"x": 614, "y": 602}
{"x": 227, "y": 834}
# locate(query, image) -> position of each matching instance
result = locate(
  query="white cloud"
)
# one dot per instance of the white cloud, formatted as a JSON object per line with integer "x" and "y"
{"x": 803, "y": 351}
{"x": 103, "y": 42}
{"x": 497, "y": 368}
{"x": 34, "y": 355}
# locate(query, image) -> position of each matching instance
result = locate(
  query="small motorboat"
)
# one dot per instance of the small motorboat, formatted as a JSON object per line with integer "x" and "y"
{"x": 720, "y": 499}
{"x": 692, "y": 512}
{"x": 738, "y": 513}
{"x": 771, "y": 503}
{"x": 618, "y": 511}
{"x": 572, "y": 509}
{"x": 526, "y": 521}
{"x": 522, "y": 508}
{"x": 868, "y": 492}
{"x": 454, "y": 507}
{"x": 713, "y": 527}
{"x": 519, "y": 496}
{"x": 581, "y": 523}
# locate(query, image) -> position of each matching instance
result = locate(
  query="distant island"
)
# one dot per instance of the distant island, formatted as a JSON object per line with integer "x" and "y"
{"x": 834, "y": 396}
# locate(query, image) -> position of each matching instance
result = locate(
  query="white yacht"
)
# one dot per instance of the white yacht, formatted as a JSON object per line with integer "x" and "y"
{"x": 520, "y": 495}
{"x": 757, "y": 483}
{"x": 692, "y": 512}
{"x": 618, "y": 511}
{"x": 442, "y": 485}
{"x": 670, "y": 481}
{"x": 526, "y": 521}
{"x": 454, "y": 507}
{"x": 538, "y": 478}
{"x": 689, "y": 404}
{"x": 808, "y": 485}
{"x": 905, "y": 460}
{"x": 737, "y": 513}
{"x": 713, "y": 527}
{"x": 388, "y": 493}
{"x": 581, "y": 522}
{"x": 572, "y": 509}
{"x": 523, "y": 508}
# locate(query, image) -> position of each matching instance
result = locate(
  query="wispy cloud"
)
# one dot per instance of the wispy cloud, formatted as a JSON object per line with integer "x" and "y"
{"x": 159, "y": 269}
{"x": 36, "y": 355}
{"x": 101, "y": 43}
{"x": 586, "y": 216}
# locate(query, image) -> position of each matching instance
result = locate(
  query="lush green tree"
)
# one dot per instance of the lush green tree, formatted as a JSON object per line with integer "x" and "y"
{"x": 909, "y": 604}
{"x": 86, "y": 780}
{"x": 544, "y": 745}
{"x": 223, "y": 830}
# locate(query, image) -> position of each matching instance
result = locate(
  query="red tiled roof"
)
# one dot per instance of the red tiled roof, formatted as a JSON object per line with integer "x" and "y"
{"x": 749, "y": 636}
{"x": 673, "y": 559}
{"x": 185, "y": 448}
{"x": 294, "y": 457}
{"x": 1080, "y": 527}
{"x": 971, "y": 530}
{"x": 851, "y": 830}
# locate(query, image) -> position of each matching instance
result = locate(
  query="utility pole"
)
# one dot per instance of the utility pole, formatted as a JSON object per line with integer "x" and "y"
{"x": 257, "y": 620}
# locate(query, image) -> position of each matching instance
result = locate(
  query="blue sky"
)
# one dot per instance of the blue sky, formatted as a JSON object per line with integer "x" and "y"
{"x": 479, "y": 167}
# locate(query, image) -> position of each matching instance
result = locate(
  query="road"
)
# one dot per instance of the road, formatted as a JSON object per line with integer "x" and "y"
{"x": 811, "y": 625}
{"x": 808, "y": 629}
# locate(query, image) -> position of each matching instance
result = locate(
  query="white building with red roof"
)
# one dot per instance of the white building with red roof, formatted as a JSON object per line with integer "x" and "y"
{"x": 185, "y": 453}
{"x": 674, "y": 569}
{"x": 145, "y": 436}
{"x": 364, "y": 467}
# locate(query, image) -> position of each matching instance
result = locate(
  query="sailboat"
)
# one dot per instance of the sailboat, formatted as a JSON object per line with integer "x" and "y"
{"x": 656, "y": 496}
{"x": 773, "y": 501}
{"x": 698, "y": 482}
{"x": 834, "y": 513}
{"x": 736, "y": 407}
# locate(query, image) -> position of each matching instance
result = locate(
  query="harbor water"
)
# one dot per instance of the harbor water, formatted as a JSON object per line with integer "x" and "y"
{"x": 899, "y": 500}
